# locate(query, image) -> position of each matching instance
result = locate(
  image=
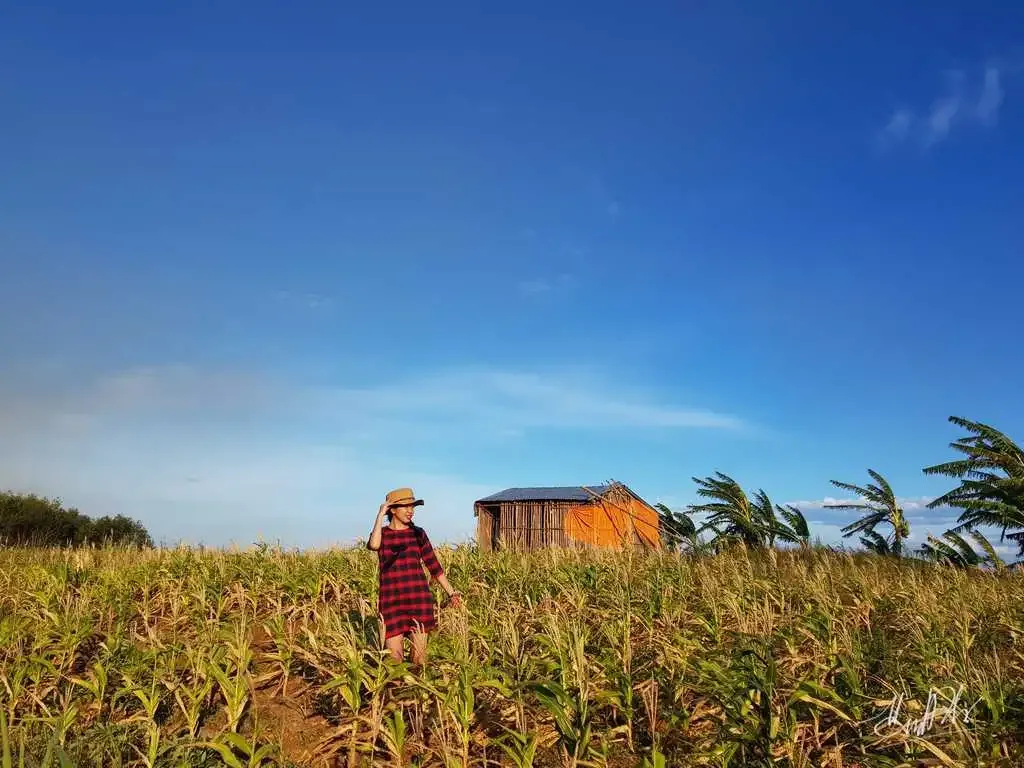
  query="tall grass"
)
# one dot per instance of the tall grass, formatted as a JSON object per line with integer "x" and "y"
{"x": 268, "y": 658}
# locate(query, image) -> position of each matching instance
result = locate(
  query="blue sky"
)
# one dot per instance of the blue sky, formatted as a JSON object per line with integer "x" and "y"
{"x": 261, "y": 264}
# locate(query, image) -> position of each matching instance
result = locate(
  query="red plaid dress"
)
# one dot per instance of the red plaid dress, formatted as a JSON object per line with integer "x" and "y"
{"x": 405, "y": 601}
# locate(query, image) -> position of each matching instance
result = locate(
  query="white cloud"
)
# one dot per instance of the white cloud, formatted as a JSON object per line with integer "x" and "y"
{"x": 482, "y": 397}
{"x": 987, "y": 109}
{"x": 898, "y": 127}
{"x": 962, "y": 103}
{"x": 909, "y": 504}
{"x": 541, "y": 286}
{"x": 1006, "y": 551}
{"x": 534, "y": 287}
{"x": 305, "y": 300}
{"x": 229, "y": 455}
{"x": 945, "y": 109}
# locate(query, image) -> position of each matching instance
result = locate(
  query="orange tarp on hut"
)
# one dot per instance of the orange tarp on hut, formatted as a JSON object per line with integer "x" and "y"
{"x": 610, "y": 522}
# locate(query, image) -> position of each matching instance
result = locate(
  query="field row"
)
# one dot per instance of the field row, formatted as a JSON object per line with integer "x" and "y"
{"x": 813, "y": 658}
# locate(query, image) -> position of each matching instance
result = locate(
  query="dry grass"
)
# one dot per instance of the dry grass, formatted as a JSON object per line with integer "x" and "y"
{"x": 260, "y": 658}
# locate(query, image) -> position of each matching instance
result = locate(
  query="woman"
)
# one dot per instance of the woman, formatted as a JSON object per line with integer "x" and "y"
{"x": 405, "y": 602}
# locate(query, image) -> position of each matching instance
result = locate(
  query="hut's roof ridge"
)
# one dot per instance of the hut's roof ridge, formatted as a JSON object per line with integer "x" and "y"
{"x": 547, "y": 493}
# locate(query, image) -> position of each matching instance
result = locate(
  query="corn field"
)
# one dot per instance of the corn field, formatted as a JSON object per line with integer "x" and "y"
{"x": 179, "y": 657}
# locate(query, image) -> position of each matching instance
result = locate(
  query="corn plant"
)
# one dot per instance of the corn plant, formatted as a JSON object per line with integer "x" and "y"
{"x": 238, "y": 752}
{"x": 393, "y": 730}
{"x": 519, "y": 748}
{"x": 234, "y": 688}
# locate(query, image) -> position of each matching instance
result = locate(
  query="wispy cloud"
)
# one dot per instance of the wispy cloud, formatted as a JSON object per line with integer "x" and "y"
{"x": 544, "y": 285}
{"x": 965, "y": 101}
{"x": 463, "y": 396}
{"x": 217, "y": 455}
{"x": 306, "y": 300}
{"x": 987, "y": 109}
{"x": 535, "y": 287}
{"x": 564, "y": 399}
{"x": 898, "y": 127}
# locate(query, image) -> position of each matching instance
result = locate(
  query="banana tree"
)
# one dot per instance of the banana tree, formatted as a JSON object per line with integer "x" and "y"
{"x": 953, "y": 549}
{"x": 881, "y": 506}
{"x": 733, "y": 516}
{"x": 991, "y": 490}
{"x": 677, "y": 528}
{"x": 730, "y": 512}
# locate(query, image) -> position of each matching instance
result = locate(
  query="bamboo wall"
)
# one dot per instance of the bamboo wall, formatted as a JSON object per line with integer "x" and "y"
{"x": 523, "y": 525}
{"x": 485, "y": 529}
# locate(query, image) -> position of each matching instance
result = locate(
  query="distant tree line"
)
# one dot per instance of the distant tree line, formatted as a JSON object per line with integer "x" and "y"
{"x": 30, "y": 520}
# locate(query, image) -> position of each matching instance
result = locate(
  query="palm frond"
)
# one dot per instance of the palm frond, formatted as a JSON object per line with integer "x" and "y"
{"x": 865, "y": 523}
{"x": 990, "y": 551}
{"x": 795, "y": 530}
{"x": 850, "y": 505}
{"x": 875, "y": 542}
{"x": 940, "y": 551}
{"x": 883, "y": 489}
{"x": 861, "y": 492}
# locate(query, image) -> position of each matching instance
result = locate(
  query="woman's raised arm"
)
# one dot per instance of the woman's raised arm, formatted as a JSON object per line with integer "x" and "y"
{"x": 376, "y": 535}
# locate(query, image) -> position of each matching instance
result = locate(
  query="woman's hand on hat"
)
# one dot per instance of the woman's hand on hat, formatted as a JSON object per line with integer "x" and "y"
{"x": 455, "y": 599}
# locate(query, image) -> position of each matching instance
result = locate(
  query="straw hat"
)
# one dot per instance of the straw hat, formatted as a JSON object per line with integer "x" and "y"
{"x": 401, "y": 497}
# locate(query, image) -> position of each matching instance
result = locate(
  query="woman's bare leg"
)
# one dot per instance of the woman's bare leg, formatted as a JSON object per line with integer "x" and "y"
{"x": 395, "y": 645}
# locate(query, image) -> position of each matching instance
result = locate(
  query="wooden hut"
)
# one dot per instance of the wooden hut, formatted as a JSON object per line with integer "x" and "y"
{"x": 527, "y": 519}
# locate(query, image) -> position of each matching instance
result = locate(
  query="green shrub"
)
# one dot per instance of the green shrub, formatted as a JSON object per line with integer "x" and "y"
{"x": 27, "y": 519}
